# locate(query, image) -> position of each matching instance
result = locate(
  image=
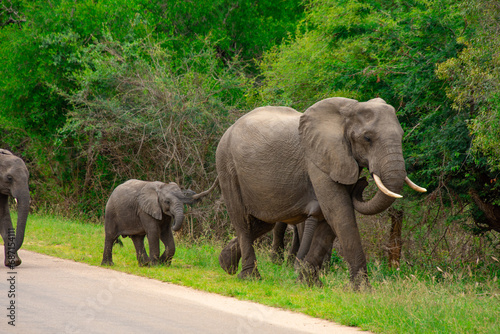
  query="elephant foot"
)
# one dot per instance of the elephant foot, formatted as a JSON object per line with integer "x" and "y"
{"x": 230, "y": 257}
{"x": 16, "y": 261}
{"x": 107, "y": 263}
{"x": 165, "y": 261}
{"x": 250, "y": 274}
{"x": 311, "y": 279}
{"x": 143, "y": 260}
{"x": 277, "y": 257}
{"x": 290, "y": 260}
{"x": 360, "y": 282}
{"x": 308, "y": 274}
{"x": 154, "y": 263}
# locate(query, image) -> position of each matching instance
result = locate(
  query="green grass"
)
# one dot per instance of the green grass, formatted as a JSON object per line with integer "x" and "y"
{"x": 399, "y": 302}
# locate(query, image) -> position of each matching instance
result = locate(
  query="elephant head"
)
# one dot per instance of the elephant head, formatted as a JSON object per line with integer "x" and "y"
{"x": 341, "y": 136}
{"x": 14, "y": 182}
{"x": 158, "y": 198}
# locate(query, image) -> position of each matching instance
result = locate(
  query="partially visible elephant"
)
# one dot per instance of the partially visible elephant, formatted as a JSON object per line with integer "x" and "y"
{"x": 278, "y": 165}
{"x": 301, "y": 241}
{"x": 303, "y": 234}
{"x": 13, "y": 182}
{"x": 137, "y": 209}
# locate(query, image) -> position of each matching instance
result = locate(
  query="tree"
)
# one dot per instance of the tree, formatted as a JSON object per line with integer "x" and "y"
{"x": 10, "y": 13}
{"x": 363, "y": 49}
{"x": 474, "y": 87}
{"x": 53, "y": 92}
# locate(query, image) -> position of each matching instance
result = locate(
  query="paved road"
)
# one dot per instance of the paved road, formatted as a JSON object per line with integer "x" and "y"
{"x": 61, "y": 296}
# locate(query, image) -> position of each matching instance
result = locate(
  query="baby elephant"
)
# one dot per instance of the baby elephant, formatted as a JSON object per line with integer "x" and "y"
{"x": 139, "y": 208}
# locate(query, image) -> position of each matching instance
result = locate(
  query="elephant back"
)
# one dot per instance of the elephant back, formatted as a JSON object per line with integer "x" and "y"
{"x": 261, "y": 156}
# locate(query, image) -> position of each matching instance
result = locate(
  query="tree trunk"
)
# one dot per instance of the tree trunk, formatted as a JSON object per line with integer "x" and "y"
{"x": 394, "y": 244}
{"x": 491, "y": 211}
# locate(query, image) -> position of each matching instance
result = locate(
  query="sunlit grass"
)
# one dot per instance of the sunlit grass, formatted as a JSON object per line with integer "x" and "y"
{"x": 403, "y": 301}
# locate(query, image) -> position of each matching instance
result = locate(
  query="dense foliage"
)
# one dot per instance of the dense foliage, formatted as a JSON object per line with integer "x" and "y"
{"x": 96, "y": 92}
{"x": 401, "y": 51}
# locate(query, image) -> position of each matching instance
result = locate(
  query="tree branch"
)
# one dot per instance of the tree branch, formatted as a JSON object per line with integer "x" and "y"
{"x": 13, "y": 15}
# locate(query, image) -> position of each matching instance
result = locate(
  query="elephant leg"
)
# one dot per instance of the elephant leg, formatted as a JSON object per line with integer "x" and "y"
{"x": 11, "y": 259}
{"x": 294, "y": 249}
{"x": 236, "y": 249}
{"x": 278, "y": 247}
{"x": 154, "y": 245}
{"x": 337, "y": 207}
{"x": 167, "y": 238}
{"x": 241, "y": 246}
{"x": 107, "y": 254}
{"x": 247, "y": 227}
{"x": 230, "y": 257}
{"x": 309, "y": 267}
{"x": 152, "y": 228}
{"x": 140, "y": 250}
{"x": 246, "y": 237}
{"x": 231, "y": 254}
{"x": 328, "y": 256}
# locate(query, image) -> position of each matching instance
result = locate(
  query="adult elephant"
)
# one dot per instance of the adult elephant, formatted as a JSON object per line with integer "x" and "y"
{"x": 137, "y": 209}
{"x": 13, "y": 182}
{"x": 278, "y": 165}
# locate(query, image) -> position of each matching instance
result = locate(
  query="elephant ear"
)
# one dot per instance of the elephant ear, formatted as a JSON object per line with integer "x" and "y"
{"x": 148, "y": 200}
{"x": 322, "y": 135}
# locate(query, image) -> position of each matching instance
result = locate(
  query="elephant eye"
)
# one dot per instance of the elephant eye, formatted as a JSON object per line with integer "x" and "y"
{"x": 368, "y": 139}
{"x": 10, "y": 178}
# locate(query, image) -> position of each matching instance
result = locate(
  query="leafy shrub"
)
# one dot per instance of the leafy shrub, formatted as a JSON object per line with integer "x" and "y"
{"x": 137, "y": 114}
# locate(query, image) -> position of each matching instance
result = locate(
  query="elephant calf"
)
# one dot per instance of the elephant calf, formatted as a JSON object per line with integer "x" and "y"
{"x": 13, "y": 183}
{"x": 137, "y": 209}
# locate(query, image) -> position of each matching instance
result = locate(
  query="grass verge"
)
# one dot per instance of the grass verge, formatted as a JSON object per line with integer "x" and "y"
{"x": 402, "y": 301}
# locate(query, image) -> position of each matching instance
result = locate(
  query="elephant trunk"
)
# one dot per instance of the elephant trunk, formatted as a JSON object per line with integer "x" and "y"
{"x": 177, "y": 211}
{"x": 392, "y": 177}
{"x": 309, "y": 227}
{"x": 23, "y": 206}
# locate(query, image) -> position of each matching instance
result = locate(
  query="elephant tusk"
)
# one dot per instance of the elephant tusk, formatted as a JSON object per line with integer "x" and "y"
{"x": 414, "y": 186}
{"x": 386, "y": 191}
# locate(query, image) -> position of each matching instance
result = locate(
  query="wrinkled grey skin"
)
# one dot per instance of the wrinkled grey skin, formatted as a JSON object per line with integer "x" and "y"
{"x": 278, "y": 165}
{"x": 278, "y": 246}
{"x": 303, "y": 234}
{"x": 137, "y": 209}
{"x": 301, "y": 242}
{"x": 13, "y": 182}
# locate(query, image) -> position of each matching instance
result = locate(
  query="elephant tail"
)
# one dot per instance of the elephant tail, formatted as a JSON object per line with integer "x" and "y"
{"x": 206, "y": 192}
